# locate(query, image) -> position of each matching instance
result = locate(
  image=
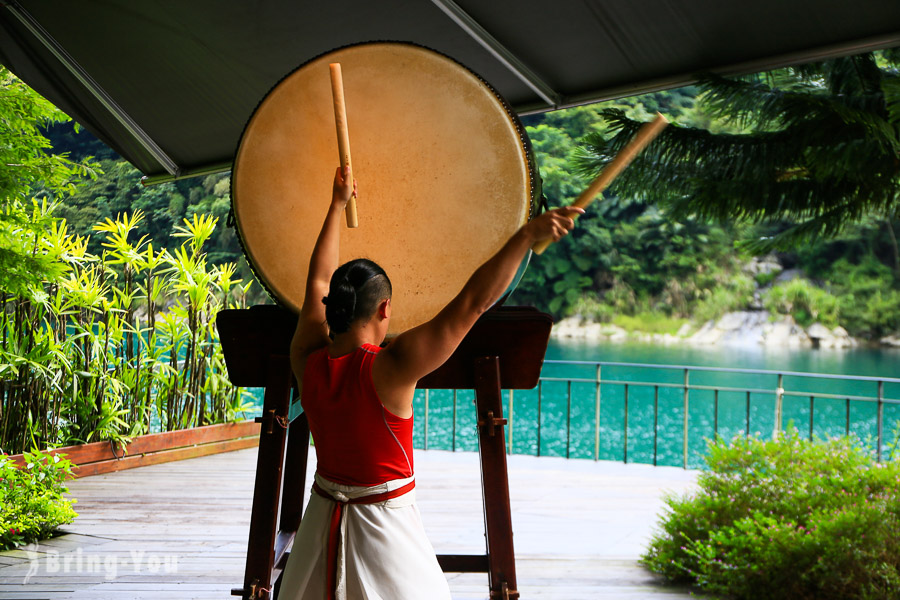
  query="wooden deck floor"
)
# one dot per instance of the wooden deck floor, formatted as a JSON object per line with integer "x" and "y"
{"x": 179, "y": 530}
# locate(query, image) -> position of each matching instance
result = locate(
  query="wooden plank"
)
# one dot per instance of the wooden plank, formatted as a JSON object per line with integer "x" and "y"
{"x": 580, "y": 528}
{"x": 154, "y": 442}
{"x": 258, "y": 576}
{"x": 517, "y": 335}
{"x": 155, "y": 458}
{"x": 495, "y": 479}
{"x": 463, "y": 563}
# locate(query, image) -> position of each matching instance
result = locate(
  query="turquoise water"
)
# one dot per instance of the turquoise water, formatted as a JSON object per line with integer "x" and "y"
{"x": 568, "y": 423}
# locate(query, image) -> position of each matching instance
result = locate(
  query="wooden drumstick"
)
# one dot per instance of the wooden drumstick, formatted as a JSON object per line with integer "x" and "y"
{"x": 343, "y": 135}
{"x": 644, "y": 136}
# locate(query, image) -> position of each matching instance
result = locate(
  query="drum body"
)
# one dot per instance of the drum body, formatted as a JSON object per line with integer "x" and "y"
{"x": 444, "y": 169}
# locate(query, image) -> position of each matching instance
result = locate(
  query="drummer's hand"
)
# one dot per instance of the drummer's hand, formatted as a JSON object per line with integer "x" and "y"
{"x": 342, "y": 192}
{"x": 553, "y": 224}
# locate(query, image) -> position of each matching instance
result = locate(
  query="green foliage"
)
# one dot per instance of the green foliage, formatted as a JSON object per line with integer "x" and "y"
{"x": 649, "y": 322}
{"x": 32, "y": 505}
{"x": 626, "y": 256}
{"x": 91, "y": 356}
{"x": 868, "y": 297}
{"x": 732, "y": 294}
{"x": 27, "y": 253}
{"x": 815, "y": 144}
{"x": 805, "y": 301}
{"x": 786, "y": 519}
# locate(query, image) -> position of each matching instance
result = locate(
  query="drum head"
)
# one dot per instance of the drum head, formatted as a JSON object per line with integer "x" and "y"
{"x": 442, "y": 164}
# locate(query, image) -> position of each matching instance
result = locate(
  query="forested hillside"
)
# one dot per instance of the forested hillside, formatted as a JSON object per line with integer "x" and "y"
{"x": 631, "y": 259}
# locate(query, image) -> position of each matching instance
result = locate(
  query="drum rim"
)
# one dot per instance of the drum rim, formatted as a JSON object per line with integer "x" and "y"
{"x": 536, "y": 205}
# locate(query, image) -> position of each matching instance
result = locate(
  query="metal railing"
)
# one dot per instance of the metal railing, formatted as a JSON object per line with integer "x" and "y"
{"x": 615, "y": 387}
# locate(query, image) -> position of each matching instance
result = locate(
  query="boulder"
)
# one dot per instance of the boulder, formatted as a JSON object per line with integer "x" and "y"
{"x": 891, "y": 340}
{"x": 785, "y": 332}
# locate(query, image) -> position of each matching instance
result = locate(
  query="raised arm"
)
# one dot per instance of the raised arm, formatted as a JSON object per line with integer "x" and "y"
{"x": 312, "y": 332}
{"x": 417, "y": 352}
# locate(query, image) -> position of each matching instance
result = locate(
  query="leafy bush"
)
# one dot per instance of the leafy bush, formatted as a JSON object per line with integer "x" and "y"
{"x": 31, "y": 499}
{"x": 786, "y": 518}
{"x": 806, "y": 302}
{"x": 733, "y": 294}
{"x": 869, "y": 301}
{"x": 649, "y": 322}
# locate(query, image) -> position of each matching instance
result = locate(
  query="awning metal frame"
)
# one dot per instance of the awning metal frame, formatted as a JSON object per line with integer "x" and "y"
{"x": 90, "y": 84}
{"x": 500, "y": 52}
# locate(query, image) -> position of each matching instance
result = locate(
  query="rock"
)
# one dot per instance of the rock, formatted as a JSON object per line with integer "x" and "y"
{"x": 762, "y": 265}
{"x": 579, "y": 329}
{"x": 739, "y": 328}
{"x": 785, "y": 333}
{"x": 891, "y": 340}
{"x": 820, "y": 336}
{"x": 684, "y": 330}
{"x": 708, "y": 334}
{"x": 756, "y": 302}
{"x": 842, "y": 339}
{"x": 788, "y": 275}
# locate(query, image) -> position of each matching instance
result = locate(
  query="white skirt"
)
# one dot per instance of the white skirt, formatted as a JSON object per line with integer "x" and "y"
{"x": 383, "y": 553}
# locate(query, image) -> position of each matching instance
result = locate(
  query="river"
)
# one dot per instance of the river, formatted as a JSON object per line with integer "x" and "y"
{"x": 569, "y": 425}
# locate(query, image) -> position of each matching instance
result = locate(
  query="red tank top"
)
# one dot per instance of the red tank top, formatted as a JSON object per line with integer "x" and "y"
{"x": 358, "y": 441}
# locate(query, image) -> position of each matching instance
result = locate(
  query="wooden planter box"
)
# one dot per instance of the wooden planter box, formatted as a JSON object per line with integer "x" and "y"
{"x": 155, "y": 448}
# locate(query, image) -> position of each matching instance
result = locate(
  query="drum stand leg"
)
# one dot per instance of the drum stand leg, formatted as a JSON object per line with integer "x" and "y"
{"x": 261, "y": 548}
{"x": 495, "y": 480}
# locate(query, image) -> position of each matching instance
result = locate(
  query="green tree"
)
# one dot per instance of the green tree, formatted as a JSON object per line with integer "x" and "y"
{"x": 817, "y": 145}
{"x": 31, "y": 181}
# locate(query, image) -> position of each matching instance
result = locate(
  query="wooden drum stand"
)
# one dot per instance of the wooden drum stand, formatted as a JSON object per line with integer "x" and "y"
{"x": 505, "y": 350}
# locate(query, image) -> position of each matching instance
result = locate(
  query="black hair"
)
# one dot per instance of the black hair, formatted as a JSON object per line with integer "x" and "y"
{"x": 355, "y": 290}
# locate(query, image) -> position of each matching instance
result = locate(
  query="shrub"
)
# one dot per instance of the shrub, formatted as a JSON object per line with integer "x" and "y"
{"x": 733, "y": 294}
{"x": 786, "y": 518}
{"x": 31, "y": 499}
{"x": 806, "y": 302}
{"x": 649, "y": 322}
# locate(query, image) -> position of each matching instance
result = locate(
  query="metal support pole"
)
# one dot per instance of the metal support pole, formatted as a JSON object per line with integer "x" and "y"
{"x": 716, "y": 414}
{"x": 453, "y": 443}
{"x": 686, "y": 408}
{"x": 880, "y": 419}
{"x": 568, "y": 418}
{"x": 597, "y": 416}
{"x": 510, "y": 449}
{"x": 812, "y": 409}
{"x": 425, "y": 445}
{"x": 779, "y": 405}
{"x": 540, "y": 386}
{"x": 625, "y": 420}
{"x": 655, "y": 422}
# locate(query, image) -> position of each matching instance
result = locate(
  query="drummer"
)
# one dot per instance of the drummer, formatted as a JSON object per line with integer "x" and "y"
{"x": 361, "y": 535}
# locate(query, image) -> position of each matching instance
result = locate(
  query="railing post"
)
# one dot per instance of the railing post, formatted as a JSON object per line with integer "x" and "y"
{"x": 812, "y": 409}
{"x": 625, "y": 438}
{"x": 597, "y": 416}
{"x": 568, "y": 417}
{"x": 453, "y": 443}
{"x": 686, "y": 407}
{"x": 880, "y": 419}
{"x": 748, "y": 413}
{"x": 425, "y": 445}
{"x": 509, "y": 451}
{"x": 847, "y": 425}
{"x": 716, "y": 414}
{"x": 655, "y": 423}
{"x": 540, "y": 386}
{"x": 779, "y": 405}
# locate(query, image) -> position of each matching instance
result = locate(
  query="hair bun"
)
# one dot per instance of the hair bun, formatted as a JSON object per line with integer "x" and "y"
{"x": 340, "y": 305}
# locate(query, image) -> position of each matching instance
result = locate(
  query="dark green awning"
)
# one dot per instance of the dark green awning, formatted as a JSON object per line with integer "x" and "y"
{"x": 169, "y": 84}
